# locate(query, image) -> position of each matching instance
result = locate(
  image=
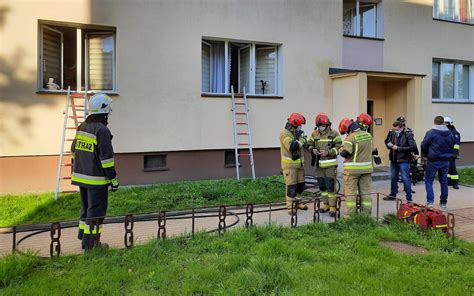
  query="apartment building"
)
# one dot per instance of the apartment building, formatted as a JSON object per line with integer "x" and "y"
{"x": 169, "y": 66}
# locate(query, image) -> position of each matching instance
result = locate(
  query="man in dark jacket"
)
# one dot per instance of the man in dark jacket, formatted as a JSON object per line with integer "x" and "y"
{"x": 437, "y": 147}
{"x": 401, "y": 144}
{"x": 94, "y": 169}
{"x": 453, "y": 177}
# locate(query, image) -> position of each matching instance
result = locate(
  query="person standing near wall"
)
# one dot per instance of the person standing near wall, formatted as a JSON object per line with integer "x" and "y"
{"x": 453, "y": 177}
{"x": 292, "y": 144}
{"x": 437, "y": 147}
{"x": 357, "y": 150}
{"x": 324, "y": 144}
{"x": 401, "y": 144}
{"x": 94, "y": 169}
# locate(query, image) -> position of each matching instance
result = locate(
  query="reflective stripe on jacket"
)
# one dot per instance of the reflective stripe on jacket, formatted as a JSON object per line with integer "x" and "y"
{"x": 287, "y": 162}
{"x": 93, "y": 154}
{"x": 359, "y": 146}
{"x": 330, "y": 141}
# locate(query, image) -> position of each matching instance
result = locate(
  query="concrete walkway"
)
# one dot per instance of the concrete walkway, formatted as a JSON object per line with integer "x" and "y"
{"x": 460, "y": 202}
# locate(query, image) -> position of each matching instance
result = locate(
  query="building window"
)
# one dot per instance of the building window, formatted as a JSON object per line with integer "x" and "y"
{"x": 363, "y": 18}
{"x": 452, "y": 80}
{"x": 229, "y": 158}
{"x": 454, "y": 10}
{"x": 155, "y": 162}
{"x": 80, "y": 57}
{"x": 241, "y": 65}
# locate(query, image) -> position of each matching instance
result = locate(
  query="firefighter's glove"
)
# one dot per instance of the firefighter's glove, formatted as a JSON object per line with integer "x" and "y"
{"x": 323, "y": 153}
{"x": 303, "y": 141}
{"x": 294, "y": 145}
{"x": 377, "y": 160}
{"x": 115, "y": 184}
{"x": 315, "y": 151}
{"x": 299, "y": 133}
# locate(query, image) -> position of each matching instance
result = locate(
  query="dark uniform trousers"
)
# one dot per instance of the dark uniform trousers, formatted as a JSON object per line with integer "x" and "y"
{"x": 93, "y": 210}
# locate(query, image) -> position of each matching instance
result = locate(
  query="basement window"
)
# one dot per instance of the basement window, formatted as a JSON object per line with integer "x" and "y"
{"x": 229, "y": 158}
{"x": 78, "y": 56}
{"x": 155, "y": 162}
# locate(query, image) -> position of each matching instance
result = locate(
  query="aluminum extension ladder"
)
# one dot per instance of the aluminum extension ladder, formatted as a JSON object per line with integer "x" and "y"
{"x": 242, "y": 132}
{"x": 71, "y": 122}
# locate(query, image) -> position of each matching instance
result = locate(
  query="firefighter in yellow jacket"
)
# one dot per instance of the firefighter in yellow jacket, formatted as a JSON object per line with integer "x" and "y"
{"x": 292, "y": 144}
{"x": 324, "y": 144}
{"x": 357, "y": 151}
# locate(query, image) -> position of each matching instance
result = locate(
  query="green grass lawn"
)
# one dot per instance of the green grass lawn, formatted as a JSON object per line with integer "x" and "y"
{"x": 344, "y": 258}
{"x": 466, "y": 176}
{"x": 34, "y": 208}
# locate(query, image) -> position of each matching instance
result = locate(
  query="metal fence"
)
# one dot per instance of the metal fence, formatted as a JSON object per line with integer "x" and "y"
{"x": 54, "y": 239}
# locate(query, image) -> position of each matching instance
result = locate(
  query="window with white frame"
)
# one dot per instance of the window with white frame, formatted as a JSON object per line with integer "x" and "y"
{"x": 239, "y": 65}
{"x": 80, "y": 57}
{"x": 363, "y": 18}
{"x": 452, "y": 80}
{"x": 454, "y": 10}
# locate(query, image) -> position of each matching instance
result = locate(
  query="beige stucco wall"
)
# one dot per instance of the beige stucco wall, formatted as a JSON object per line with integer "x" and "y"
{"x": 159, "y": 62}
{"x": 30, "y": 124}
{"x": 412, "y": 40}
{"x": 159, "y": 67}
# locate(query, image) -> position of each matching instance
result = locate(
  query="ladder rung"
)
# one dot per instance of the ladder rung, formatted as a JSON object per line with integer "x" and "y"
{"x": 67, "y": 164}
{"x": 242, "y": 134}
{"x": 77, "y": 109}
{"x": 71, "y": 128}
{"x": 77, "y": 95}
{"x": 243, "y": 144}
{"x": 69, "y": 191}
{"x": 240, "y": 103}
{"x": 241, "y": 123}
{"x": 80, "y": 106}
{"x": 240, "y": 113}
{"x": 65, "y": 178}
{"x": 244, "y": 154}
{"x": 72, "y": 116}
{"x": 69, "y": 140}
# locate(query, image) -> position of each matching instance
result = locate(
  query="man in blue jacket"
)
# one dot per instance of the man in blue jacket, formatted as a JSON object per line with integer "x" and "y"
{"x": 437, "y": 147}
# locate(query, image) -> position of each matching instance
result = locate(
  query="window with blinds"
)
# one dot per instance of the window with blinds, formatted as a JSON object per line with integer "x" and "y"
{"x": 101, "y": 58}
{"x": 236, "y": 65}
{"x": 205, "y": 67}
{"x": 51, "y": 57}
{"x": 244, "y": 69}
{"x": 79, "y": 63}
{"x": 265, "y": 74}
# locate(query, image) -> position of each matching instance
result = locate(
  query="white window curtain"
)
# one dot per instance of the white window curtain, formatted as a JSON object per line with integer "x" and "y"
{"x": 265, "y": 74}
{"x": 206, "y": 67}
{"x": 52, "y": 52}
{"x": 244, "y": 69}
{"x": 218, "y": 68}
{"x": 101, "y": 58}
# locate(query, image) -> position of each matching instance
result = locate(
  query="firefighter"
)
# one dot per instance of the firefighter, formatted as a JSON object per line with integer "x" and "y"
{"x": 94, "y": 169}
{"x": 453, "y": 177}
{"x": 292, "y": 145}
{"x": 357, "y": 151}
{"x": 324, "y": 144}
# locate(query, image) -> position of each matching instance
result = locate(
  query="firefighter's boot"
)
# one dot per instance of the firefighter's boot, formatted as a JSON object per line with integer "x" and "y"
{"x": 324, "y": 199}
{"x": 289, "y": 205}
{"x": 300, "y": 205}
{"x": 332, "y": 211}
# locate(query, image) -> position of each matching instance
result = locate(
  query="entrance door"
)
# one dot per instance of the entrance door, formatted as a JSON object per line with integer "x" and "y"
{"x": 370, "y": 111}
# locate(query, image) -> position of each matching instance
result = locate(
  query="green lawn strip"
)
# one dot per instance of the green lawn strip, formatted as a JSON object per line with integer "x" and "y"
{"x": 466, "y": 176}
{"x": 344, "y": 258}
{"x": 35, "y": 208}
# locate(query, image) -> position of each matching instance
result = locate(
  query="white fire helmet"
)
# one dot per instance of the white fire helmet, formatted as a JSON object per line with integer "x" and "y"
{"x": 100, "y": 104}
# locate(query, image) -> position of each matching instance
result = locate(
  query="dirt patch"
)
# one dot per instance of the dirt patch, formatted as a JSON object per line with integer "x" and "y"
{"x": 404, "y": 248}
